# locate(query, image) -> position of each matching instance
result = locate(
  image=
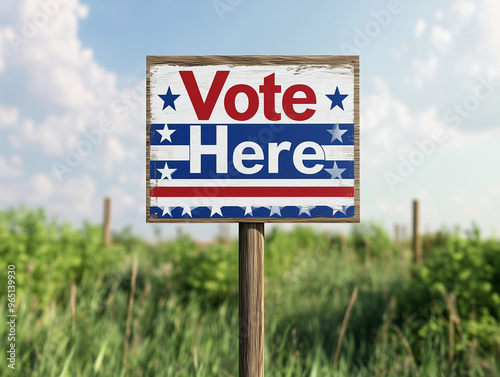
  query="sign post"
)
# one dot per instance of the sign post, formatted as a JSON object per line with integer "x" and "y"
{"x": 252, "y": 140}
{"x": 251, "y": 299}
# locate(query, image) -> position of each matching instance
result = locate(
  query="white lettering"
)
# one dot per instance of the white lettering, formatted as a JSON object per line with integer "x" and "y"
{"x": 219, "y": 149}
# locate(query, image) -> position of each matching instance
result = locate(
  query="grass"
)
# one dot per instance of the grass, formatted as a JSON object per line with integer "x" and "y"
{"x": 138, "y": 324}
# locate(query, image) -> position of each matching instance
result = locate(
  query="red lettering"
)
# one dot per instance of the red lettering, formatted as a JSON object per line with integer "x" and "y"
{"x": 205, "y": 108}
{"x": 289, "y": 101}
{"x": 230, "y": 102}
{"x": 270, "y": 89}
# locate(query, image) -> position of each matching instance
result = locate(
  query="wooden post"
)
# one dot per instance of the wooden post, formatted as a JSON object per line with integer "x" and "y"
{"x": 251, "y": 298}
{"x": 107, "y": 221}
{"x": 343, "y": 243}
{"x": 72, "y": 304}
{"x": 417, "y": 247}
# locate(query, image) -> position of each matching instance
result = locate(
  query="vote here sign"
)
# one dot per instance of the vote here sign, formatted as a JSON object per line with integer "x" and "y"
{"x": 252, "y": 138}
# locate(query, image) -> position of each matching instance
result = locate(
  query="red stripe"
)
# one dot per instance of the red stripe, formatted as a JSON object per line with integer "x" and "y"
{"x": 302, "y": 192}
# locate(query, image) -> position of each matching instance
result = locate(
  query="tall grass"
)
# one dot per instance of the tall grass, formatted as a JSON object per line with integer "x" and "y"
{"x": 189, "y": 336}
{"x": 159, "y": 317}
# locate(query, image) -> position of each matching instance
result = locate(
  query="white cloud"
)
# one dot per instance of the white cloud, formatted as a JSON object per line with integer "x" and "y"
{"x": 77, "y": 93}
{"x": 490, "y": 28}
{"x": 401, "y": 51}
{"x": 494, "y": 189}
{"x": 465, "y": 9}
{"x": 420, "y": 28}
{"x": 425, "y": 69}
{"x": 11, "y": 167}
{"x": 3, "y": 47}
{"x": 115, "y": 153}
{"x": 441, "y": 38}
{"x": 449, "y": 53}
{"x": 42, "y": 187}
{"x": 75, "y": 199}
{"x": 468, "y": 204}
{"x": 74, "y": 95}
{"x": 54, "y": 134}
{"x": 59, "y": 73}
{"x": 391, "y": 130}
{"x": 9, "y": 117}
{"x": 124, "y": 202}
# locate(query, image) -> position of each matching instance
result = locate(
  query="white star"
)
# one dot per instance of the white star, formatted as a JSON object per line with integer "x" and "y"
{"x": 187, "y": 210}
{"x": 165, "y": 133}
{"x": 166, "y": 210}
{"x": 337, "y": 133}
{"x": 336, "y": 172}
{"x": 306, "y": 210}
{"x": 166, "y": 172}
{"x": 342, "y": 209}
{"x": 275, "y": 210}
{"x": 215, "y": 210}
{"x": 248, "y": 210}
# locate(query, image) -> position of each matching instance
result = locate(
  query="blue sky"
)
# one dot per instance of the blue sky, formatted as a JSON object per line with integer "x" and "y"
{"x": 430, "y": 75}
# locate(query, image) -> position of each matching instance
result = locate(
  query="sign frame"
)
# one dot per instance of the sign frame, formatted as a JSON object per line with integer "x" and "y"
{"x": 327, "y": 61}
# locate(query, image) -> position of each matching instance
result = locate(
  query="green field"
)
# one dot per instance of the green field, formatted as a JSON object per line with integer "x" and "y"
{"x": 82, "y": 312}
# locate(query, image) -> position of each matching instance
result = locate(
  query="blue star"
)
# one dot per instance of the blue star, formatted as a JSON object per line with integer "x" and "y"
{"x": 337, "y": 99}
{"x": 169, "y": 99}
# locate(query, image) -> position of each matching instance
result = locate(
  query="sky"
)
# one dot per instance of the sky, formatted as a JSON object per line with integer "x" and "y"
{"x": 430, "y": 89}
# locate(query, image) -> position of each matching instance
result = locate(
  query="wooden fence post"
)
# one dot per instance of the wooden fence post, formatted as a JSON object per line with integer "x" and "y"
{"x": 343, "y": 243}
{"x": 107, "y": 221}
{"x": 251, "y": 298}
{"x": 417, "y": 246}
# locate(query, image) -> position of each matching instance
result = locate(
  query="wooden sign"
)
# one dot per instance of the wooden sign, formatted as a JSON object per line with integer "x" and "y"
{"x": 252, "y": 139}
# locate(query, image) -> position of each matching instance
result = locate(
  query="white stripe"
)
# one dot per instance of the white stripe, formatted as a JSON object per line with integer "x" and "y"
{"x": 338, "y": 152}
{"x": 250, "y": 201}
{"x": 252, "y": 183}
{"x": 181, "y": 152}
{"x": 169, "y": 152}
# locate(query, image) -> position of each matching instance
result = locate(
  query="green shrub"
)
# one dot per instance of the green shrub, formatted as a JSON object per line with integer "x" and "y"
{"x": 49, "y": 256}
{"x": 212, "y": 273}
{"x": 467, "y": 268}
{"x": 370, "y": 239}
